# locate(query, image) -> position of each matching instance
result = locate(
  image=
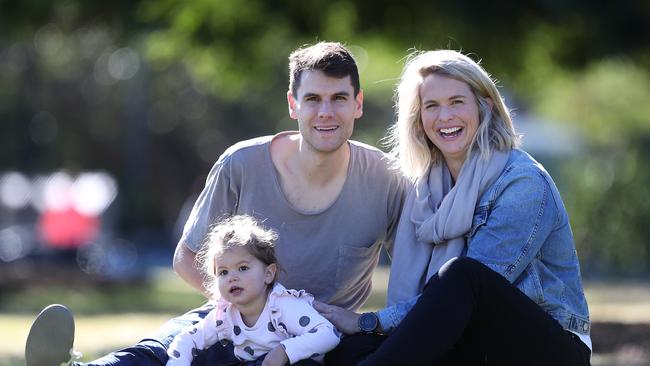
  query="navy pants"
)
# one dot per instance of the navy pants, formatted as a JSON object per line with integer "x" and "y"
{"x": 468, "y": 315}
{"x": 152, "y": 351}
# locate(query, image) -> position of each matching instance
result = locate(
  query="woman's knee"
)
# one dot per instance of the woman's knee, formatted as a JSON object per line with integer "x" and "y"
{"x": 459, "y": 272}
{"x": 461, "y": 266}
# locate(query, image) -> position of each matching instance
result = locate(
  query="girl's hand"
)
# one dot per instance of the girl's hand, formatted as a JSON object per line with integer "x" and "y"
{"x": 344, "y": 320}
{"x": 277, "y": 357}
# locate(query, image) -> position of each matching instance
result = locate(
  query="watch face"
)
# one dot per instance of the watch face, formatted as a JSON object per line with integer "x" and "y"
{"x": 368, "y": 322}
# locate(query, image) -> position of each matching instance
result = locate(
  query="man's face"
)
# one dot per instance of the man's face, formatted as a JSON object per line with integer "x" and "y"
{"x": 326, "y": 109}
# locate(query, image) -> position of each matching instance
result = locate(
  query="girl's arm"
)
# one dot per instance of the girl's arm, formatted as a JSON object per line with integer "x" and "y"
{"x": 314, "y": 335}
{"x": 198, "y": 336}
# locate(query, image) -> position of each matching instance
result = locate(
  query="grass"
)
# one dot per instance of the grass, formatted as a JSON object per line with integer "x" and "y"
{"x": 111, "y": 317}
{"x": 95, "y": 334}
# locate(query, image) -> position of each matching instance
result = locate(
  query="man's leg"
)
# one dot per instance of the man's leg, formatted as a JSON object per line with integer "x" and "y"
{"x": 150, "y": 351}
{"x": 467, "y": 305}
{"x": 260, "y": 360}
{"x": 219, "y": 354}
{"x": 306, "y": 362}
{"x": 50, "y": 338}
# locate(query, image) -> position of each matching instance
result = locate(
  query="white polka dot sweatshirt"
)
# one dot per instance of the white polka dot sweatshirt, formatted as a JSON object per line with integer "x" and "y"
{"x": 288, "y": 318}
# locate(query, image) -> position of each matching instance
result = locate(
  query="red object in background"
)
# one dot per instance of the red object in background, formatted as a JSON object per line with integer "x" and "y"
{"x": 68, "y": 229}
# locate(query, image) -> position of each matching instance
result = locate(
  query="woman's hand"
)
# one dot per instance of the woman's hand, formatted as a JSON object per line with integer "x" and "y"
{"x": 277, "y": 357}
{"x": 344, "y": 320}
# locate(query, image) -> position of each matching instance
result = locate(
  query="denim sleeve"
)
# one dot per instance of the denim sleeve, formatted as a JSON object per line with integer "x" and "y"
{"x": 391, "y": 316}
{"x": 520, "y": 219}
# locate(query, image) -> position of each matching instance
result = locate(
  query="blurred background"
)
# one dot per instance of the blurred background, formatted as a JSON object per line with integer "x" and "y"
{"x": 112, "y": 114}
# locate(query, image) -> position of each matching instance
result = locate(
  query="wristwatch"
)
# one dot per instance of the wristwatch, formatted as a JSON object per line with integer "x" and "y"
{"x": 369, "y": 322}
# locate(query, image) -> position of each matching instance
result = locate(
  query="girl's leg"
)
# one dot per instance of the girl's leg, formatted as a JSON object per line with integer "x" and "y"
{"x": 472, "y": 312}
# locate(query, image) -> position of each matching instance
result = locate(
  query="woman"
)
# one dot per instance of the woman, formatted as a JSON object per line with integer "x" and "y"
{"x": 485, "y": 269}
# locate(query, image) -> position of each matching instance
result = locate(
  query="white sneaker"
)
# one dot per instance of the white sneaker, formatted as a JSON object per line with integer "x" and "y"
{"x": 50, "y": 338}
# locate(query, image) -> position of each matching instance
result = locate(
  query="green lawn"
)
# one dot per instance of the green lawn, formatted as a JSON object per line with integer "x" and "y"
{"x": 111, "y": 317}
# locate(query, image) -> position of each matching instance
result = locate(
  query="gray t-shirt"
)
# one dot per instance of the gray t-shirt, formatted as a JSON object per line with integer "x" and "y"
{"x": 330, "y": 253}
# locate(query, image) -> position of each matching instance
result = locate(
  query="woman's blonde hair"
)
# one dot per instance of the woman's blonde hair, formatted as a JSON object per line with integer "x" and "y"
{"x": 236, "y": 231}
{"x": 406, "y": 138}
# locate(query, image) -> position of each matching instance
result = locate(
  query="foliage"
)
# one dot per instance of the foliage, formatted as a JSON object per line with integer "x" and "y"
{"x": 153, "y": 91}
{"x": 608, "y": 190}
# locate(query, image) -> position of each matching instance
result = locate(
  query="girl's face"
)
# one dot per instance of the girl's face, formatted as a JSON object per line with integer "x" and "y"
{"x": 450, "y": 116}
{"x": 243, "y": 279}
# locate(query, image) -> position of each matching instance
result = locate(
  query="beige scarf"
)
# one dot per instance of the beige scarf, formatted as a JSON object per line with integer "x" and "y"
{"x": 436, "y": 217}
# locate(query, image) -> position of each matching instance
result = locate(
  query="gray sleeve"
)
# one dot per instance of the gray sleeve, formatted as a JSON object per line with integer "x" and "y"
{"x": 218, "y": 199}
{"x": 398, "y": 192}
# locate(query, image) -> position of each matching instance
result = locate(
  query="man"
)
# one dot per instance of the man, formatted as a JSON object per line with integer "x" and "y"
{"x": 334, "y": 202}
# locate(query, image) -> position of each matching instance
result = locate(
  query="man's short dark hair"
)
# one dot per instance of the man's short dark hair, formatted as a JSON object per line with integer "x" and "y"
{"x": 332, "y": 58}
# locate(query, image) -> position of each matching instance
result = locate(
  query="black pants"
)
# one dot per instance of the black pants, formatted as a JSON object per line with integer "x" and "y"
{"x": 224, "y": 355}
{"x": 468, "y": 315}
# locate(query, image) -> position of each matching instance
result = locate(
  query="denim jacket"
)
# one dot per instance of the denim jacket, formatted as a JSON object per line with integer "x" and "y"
{"x": 535, "y": 250}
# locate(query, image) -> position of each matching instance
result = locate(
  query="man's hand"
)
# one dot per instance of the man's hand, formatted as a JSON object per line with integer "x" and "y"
{"x": 277, "y": 357}
{"x": 344, "y": 320}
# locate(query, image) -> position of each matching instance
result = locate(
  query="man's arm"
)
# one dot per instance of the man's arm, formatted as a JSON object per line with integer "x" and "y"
{"x": 185, "y": 266}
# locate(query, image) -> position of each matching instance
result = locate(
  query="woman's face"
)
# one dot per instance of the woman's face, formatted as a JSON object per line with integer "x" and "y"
{"x": 450, "y": 116}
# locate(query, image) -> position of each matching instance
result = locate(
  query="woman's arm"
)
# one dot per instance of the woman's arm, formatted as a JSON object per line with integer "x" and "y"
{"x": 391, "y": 316}
{"x": 523, "y": 215}
{"x": 347, "y": 321}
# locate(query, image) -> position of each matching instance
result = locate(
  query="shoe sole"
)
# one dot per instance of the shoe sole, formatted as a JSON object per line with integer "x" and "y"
{"x": 50, "y": 338}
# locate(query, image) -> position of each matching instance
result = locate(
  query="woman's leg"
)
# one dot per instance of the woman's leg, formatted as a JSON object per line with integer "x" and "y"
{"x": 470, "y": 311}
{"x": 353, "y": 348}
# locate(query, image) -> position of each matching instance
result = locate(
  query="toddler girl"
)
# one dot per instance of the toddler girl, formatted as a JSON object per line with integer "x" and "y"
{"x": 267, "y": 323}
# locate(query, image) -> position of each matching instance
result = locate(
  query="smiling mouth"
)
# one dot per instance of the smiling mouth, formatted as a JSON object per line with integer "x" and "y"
{"x": 326, "y": 129}
{"x": 450, "y": 132}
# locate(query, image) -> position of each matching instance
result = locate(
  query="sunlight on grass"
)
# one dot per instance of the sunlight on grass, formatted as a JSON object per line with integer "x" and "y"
{"x": 624, "y": 301}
